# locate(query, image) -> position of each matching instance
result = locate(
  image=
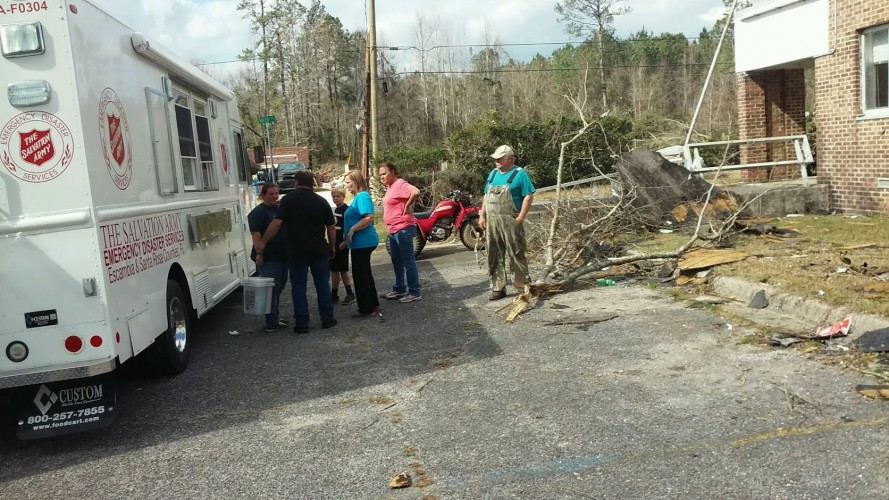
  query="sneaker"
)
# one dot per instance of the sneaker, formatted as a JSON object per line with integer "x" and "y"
{"x": 409, "y": 298}
{"x": 328, "y": 324}
{"x": 282, "y": 325}
{"x": 497, "y": 295}
{"x": 348, "y": 300}
{"x": 300, "y": 329}
{"x": 392, "y": 295}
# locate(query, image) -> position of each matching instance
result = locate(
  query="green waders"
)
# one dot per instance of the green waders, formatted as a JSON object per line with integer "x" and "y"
{"x": 505, "y": 239}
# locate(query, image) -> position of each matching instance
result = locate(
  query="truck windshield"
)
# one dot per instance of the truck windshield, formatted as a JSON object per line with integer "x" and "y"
{"x": 292, "y": 166}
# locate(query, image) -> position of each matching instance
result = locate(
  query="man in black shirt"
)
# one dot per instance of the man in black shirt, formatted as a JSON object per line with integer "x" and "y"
{"x": 271, "y": 262}
{"x": 311, "y": 240}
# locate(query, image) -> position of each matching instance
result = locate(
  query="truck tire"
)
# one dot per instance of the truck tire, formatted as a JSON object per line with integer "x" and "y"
{"x": 171, "y": 350}
{"x": 471, "y": 234}
{"x": 419, "y": 243}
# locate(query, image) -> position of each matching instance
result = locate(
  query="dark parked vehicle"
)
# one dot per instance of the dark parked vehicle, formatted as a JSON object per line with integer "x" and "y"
{"x": 286, "y": 174}
{"x": 264, "y": 175}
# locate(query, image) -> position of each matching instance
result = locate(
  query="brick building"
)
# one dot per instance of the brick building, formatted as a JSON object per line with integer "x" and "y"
{"x": 284, "y": 155}
{"x": 845, "y": 43}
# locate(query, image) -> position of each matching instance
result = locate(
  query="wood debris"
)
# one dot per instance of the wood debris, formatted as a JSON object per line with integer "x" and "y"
{"x": 774, "y": 239}
{"x": 859, "y": 246}
{"x": 880, "y": 287}
{"x": 703, "y": 258}
{"x": 873, "y": 391}
{"x": 528, "y": 299}
{"x": 683, "y": 280}
{"x": 583, "y": 320}
{"x": 402, "y": 480}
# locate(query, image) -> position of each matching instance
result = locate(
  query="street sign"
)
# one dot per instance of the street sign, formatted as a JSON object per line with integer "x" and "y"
{"x": 266, "y": 120}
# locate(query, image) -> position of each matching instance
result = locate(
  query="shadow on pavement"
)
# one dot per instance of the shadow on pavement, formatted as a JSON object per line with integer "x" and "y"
{"x": 233, "y": 379}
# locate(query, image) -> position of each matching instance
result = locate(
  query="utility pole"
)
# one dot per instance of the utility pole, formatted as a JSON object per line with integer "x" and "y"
{"x": 265, "y": 59}
{"x": 268, "y": 121}
{"x": 365, "y": 118}
{"x": 694, "y": 117}
{"x": 268, "y": 133}
{"x": 372, "y": 42}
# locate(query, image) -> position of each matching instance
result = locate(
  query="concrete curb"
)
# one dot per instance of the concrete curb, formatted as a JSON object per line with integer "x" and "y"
{"x": 808, "y": 311}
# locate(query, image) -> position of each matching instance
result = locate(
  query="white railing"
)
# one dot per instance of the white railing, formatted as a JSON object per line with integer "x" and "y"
{"x": 694, "y": 163}
{"x": 612, "y": 178}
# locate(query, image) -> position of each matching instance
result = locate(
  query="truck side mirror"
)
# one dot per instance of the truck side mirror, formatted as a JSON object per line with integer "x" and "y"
{"x": 258, "y": 154}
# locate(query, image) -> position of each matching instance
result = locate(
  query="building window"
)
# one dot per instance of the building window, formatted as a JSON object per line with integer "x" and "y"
{"x": 195, "y": 147}
{"x": 875, "y": 69}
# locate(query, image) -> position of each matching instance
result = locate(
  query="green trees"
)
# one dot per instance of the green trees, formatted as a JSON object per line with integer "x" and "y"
{"x": 585, "y": 17}
{"x": 444, "y": 100}
{"x": 308, "y": 71}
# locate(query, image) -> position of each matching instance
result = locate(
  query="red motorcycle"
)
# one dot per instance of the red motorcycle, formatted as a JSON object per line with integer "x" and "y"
{"x": 454, "y": 212}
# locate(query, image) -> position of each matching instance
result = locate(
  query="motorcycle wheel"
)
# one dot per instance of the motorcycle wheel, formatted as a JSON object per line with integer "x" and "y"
{"x": 419, "y": 243}
{"x": 471, "y": 234}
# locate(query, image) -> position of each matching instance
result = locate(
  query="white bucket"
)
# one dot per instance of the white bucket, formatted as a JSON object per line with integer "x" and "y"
{"x": 258, "y": 295}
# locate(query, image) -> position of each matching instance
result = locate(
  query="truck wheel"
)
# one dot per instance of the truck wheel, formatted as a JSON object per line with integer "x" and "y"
{"x": 172, "y": 348}
{"x": 419, "y": 243}
{"x": 471, "y": 234}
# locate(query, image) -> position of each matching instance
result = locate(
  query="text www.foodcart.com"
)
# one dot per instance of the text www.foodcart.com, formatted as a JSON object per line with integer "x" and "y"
{"x": 56, "y": 425}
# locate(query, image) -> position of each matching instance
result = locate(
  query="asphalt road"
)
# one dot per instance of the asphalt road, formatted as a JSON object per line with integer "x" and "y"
{"x": 661, "y": 401}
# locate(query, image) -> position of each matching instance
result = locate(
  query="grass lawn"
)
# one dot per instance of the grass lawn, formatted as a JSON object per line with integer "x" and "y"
{"x": 835, "y": 259}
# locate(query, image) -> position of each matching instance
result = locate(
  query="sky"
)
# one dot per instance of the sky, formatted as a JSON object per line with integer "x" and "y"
{"x": 215, "y": 31}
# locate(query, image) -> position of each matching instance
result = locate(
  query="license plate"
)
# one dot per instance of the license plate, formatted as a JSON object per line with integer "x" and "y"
{"x": 58, "y": 408}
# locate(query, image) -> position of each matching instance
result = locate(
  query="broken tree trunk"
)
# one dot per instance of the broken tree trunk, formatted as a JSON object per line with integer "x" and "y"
{"x": 668, "y": 192}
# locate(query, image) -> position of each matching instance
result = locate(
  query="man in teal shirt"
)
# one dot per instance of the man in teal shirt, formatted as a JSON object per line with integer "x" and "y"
{"x": 508, "y": 196}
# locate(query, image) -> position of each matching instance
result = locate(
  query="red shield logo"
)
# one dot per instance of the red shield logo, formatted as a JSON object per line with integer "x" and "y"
{"x": 115, "y": 136}
{"x": 37, "y": 147}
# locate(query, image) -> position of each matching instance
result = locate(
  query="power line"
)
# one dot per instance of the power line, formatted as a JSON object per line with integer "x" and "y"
{"x": 550, "y": 70}
{"x": 486, "y": 45}
{"x": 526, "y": 70}
{"x": 526, "y": 44}
{"x": 470, "y": 45}
{"x": 227, "y": 62}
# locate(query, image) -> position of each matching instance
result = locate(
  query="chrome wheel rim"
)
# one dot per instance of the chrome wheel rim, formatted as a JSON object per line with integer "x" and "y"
{"x": 178, "y": 325}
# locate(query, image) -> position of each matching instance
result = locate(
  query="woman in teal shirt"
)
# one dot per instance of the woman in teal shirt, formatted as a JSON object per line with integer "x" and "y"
{"x": 361, "y": 238}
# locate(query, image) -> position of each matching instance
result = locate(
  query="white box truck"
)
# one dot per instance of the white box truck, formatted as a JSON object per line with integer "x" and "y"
{"x": 123, "y": 202}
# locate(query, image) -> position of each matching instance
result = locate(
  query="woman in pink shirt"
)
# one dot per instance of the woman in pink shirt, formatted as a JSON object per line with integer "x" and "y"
{"x": 402, "y": 226}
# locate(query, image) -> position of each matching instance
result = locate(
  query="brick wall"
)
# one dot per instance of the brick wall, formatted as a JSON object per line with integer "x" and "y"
{"x": 771, "y": 103}
{"x": 852, "y": 152}
{"x": 286, "y": 154}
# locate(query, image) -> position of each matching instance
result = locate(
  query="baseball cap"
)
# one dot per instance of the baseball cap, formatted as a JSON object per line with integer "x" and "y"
{"x": 502, "y": 151}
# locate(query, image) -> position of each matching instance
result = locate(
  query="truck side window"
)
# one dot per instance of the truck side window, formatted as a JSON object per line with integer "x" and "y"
{"x": 205, "y": 147}
{"x": 241, "y": 157}
{"x": 195, "y": 144}
{"x": 187, "y": 150}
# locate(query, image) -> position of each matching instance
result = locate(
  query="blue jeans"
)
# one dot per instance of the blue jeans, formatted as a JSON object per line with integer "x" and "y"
{"x": 299, "y": 274}
{"x": 401, "y": 247}
{"x": 277, "y": 270}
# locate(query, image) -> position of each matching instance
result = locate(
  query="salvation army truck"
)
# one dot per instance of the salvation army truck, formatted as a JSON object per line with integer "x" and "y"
{"x": 122, "y": 209}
